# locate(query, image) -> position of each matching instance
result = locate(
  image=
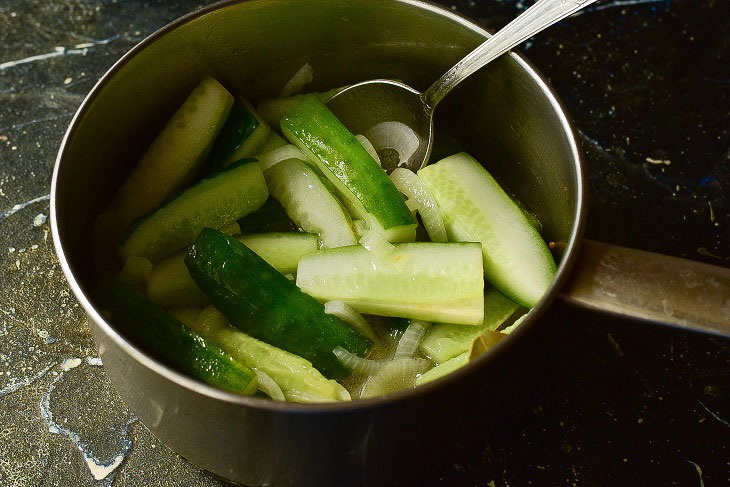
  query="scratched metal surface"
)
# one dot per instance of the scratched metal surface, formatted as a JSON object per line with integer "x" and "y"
{"x": 648, "y": 85}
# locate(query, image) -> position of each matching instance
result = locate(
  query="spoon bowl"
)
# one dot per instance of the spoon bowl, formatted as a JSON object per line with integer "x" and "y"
{"x": 364, "y": 105}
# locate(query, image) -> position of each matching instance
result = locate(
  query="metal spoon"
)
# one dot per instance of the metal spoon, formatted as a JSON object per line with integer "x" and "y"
{"x": 363, "y": 105}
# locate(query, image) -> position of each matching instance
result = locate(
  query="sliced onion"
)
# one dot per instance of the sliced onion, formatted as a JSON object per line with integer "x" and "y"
{"x": 514, "y": 325}
{"x": 413, "y": 205}
{"x": 345, "y": 312}
{"x": 394, "y": 135}
{"x": 368, "y": 147}
{"x": 377, "y": 245}
{"x": 301, "y": 78}
{"x": 358, "y": 364}
{"x": 268, "y": 386}
{"x": 411, "y": 185}
{"x": 394, "y": 376}
{"x": 408, "y": 343}
{"x": 272, "y": 158}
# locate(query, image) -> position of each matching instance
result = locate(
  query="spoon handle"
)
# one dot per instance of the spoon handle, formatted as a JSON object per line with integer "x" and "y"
{"x": 541, "y": 15}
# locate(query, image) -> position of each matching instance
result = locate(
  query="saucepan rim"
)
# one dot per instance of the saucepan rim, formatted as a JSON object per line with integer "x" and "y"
{"x": 564, "y": 269}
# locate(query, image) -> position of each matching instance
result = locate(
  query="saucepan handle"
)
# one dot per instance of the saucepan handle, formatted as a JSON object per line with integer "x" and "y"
{"x": 651, "y": 287}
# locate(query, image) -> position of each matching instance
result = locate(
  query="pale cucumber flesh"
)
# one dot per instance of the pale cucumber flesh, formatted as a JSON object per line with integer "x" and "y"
{"x": 443, "y": 341}
{"x": 309, "y": 204}
{"x": 442, "y": 369}
{"x": 273, "y": 141}
{"x": 475, "y": 208}
{"x": 440, "y": 282}
{"x": 174, "y": 157}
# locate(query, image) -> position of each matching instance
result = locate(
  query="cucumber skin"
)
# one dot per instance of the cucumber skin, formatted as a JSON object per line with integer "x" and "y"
{"x": 266, "y": 305}
{"x": 169, "y": 283}
{"x": 342, "y": 158}
{"x": 160, "y": 174}
{"x": 336, "y": 230}
{"x": 164, "y": 231}
{"x": 171, "y": 342}
{"x": 238, "y": 128}
{"x": 271, "y": 217}
{"x": 272, "y": 110}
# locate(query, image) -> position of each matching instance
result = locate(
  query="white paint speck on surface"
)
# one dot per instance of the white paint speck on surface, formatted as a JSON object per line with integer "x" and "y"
{"x": 39, "y": 219}
{"x": 16, "y": 383}
{"x": 20, "y": 206}
{"x": 102, "y": 471}
{"x": 98, "y": 468}
{"x": 70, "y": 363}
{"x": 94, "y": 361}
{"x": 658, "y": 161}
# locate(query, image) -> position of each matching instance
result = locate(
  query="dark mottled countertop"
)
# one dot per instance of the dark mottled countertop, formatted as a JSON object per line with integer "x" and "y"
{"x": 647, "y": 83}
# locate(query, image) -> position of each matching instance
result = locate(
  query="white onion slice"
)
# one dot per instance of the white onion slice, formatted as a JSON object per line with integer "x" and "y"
{"x": 356, "y": 363}
{"x": 377, "y": 245}
{"x": 394, "y": 376}
{"x": 394, "y": 135}
{"x": 268, "y": 386}
{"x": 368, "y": 147}
{"x": 345, "y": 312}
{"x": 274, "y": 157}
{"x": 413, "y": 205}
{"x": 408, "y": 343}
{"x": 301, "y": 78}
{"x": 411, "y": 185}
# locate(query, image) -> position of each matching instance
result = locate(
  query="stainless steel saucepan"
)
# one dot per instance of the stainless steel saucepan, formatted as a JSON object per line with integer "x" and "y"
{"x": 513, "y": 123}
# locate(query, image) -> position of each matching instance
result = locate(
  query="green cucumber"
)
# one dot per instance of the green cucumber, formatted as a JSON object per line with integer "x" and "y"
{"x": 282, "y": 251}
{"x": 295, "y": 375}
{"x": 476, "y": 209}
{"x": 271, "y": 217}
{"x": 440, "y": 282}
{"x": 309, "y": 204}
{"x": 263, "y": 303}
{"x": 168, "y": 340}
{"x": 443, "y": 369}
{"x": 169, "y": 283}
{"x": 215, "y": 202}
{"x": 443, "y": 341}
{"x": 346, "y": 163}
{"x": 135, "y": 271}
{"x": 187, "y": 316}
{"x": 174, "y": 157}
{"x": 272, "y": 110}
{"x": 242, "y": 136}
{"x": 273, "y": 141}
